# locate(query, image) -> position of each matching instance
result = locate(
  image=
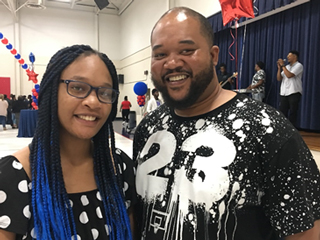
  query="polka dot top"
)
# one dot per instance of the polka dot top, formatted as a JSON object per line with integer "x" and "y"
{"x": 88, "y": 210}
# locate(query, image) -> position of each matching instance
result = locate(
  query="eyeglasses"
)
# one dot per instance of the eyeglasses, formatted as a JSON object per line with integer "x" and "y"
{"x": 82, "y": 90}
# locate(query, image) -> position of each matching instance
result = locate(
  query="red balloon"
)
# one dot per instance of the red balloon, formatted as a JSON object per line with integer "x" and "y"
{"x": 34, "y": 81}
{"x": 235, "y": 9}
{"x": 33, "y": 104}
{"x": 139, "y": 97}
{"x": 35, "y": 94}
{"x": 4, "y": 41}
{"x": 21, "y": 61}
{"x": 33, "y": 90}
{"x": 13, "y": 51}
{"x": 36, "y": 107}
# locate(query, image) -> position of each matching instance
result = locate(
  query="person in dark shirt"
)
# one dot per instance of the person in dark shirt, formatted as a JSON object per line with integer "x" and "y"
{"x": 225, "y": 79}
{"x": 213, "y": 163}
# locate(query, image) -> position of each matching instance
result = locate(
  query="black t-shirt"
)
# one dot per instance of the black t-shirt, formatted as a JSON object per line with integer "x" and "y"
{"x": 239, "y": 172}
{"x": 88, "y": 210}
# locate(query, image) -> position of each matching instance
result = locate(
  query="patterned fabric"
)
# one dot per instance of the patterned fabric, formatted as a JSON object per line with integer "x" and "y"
{"x": 88, "y": 210}
{"x": 239, "y": 172}
{"x": 256, "y": 78}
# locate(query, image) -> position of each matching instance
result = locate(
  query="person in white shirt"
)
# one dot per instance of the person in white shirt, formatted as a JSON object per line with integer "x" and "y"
{"x": 154, "y": 101}
{"x": 291, "y": 85}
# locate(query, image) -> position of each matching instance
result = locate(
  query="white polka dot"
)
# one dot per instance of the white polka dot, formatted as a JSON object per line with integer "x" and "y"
{"x": 71, "y": 203}
{"x": 266, "y": 122}
{"x": 84, "y": 200}
{"x": 30, "y": 186}
{"x": 33, "y": 234}
{"x": 24, "y": 237}
{"x": 83, "y": 218}
{"x": 231, "y": 116}
{"x": 23, "y": 186}
{"x": 78, "y": 237}
{"x": 125, "y": 186}
{"x": 128, "y": 204}
{"x": 3, "y": 196}
{"x": 286, "y": 196}
{"x": 98, "y": 212}
{"x": 16, "y": 165}
{"x": 4, "y": 221}
{"x": 108, "y": 229}
{"x": 237, "y": 124}
{"x": 98, "y": 196}
{"x": 124, "y": 166}
{"x": 95, "y": 233}
{"x": 26, "y": 212}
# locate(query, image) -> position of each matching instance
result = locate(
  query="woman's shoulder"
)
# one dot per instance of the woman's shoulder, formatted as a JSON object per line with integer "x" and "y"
{"x": 14, "y": 195}
{"x": 23, "y": 157}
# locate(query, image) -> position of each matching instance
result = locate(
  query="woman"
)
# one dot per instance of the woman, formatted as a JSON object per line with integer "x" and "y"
{"x": 3, "y": 111}
{"x": 125, "y": 108}
{"x": 69, "y": 184}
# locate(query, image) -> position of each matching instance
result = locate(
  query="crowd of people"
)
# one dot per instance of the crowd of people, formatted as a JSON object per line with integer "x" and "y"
{"x": 10, "y": 112}
{"x": 208, "y": 163}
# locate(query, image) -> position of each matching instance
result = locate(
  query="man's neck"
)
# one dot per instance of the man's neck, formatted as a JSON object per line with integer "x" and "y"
{"x": 217, "y": 98}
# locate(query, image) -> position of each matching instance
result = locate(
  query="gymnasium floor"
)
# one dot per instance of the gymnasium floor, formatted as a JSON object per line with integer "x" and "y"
{"x": 10, "y": 143}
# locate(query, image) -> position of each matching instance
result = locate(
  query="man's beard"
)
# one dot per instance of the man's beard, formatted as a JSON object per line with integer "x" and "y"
{"x": 198, "y": 85}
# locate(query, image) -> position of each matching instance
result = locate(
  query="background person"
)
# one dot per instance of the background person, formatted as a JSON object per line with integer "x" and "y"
{"x": 125, "y": 109}
{"x": 17, "y": 106}
{"x": 3, "y": 111}
{"x": 258, "y": 82}
{"x": 225, "y": 79}
{"x": 154, "y": 101}
{"x": 291, "y": 85}
{"x": 71, "y": 181}
{"x": 213, "y": 164}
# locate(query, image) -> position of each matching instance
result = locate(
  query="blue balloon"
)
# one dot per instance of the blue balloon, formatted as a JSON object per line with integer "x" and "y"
{"x": 32, "y": 58}
{"x": 9, "y": 46}
{"x": 140, "y": 88}
{"x": 18, "y": 56}
{"x": 1, "y": 35}
{"x": 25, "y": 66}
{"x": 37, "y": 87}
{"x": 36, "y": 101}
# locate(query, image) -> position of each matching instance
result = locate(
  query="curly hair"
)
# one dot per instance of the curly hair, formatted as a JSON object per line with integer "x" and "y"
{"x": 51, "y": 209}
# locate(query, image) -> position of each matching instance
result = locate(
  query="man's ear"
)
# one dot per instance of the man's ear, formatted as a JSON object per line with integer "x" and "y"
{"x": 214, "y": 52}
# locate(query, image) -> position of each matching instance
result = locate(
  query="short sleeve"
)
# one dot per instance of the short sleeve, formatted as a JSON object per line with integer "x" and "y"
{"x": 14, "y": 196}
{"x": 292, "y": 190}
{"x": 297, "y": 69}
{"x": 127, "y": 168}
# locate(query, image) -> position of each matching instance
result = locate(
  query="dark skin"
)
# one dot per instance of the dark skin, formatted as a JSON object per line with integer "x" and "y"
{"x": 187, "y": 48}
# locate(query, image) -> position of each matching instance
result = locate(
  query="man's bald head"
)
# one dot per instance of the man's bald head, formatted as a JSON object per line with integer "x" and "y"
{"x": 205, "y": 27}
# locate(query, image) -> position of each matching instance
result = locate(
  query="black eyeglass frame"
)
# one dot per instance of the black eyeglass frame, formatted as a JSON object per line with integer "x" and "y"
{"x": 91, "y": 88}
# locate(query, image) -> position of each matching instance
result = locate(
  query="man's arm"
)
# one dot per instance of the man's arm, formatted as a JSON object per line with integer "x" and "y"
{"x": 311, "y": 234}
{"x": 287, "y": 72}
{"x": 256, "y": 85}
{"x": 280, "y": 62}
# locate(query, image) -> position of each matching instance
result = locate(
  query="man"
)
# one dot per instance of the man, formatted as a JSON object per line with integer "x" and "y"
{"x": 291, "y": 85}
{"x": 258, "y": 81}
{"x": 213, "y": 164}
{"x": 154, "y": 101}
{"x": 225, "y": 79}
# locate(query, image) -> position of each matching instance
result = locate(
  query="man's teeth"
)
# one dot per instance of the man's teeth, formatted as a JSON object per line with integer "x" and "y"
{"x": 87, "y": 118}
{"x": 177, "y": 78}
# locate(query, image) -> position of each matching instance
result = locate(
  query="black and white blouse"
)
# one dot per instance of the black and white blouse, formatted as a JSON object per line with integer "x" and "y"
{"x": 88, "y": 210}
